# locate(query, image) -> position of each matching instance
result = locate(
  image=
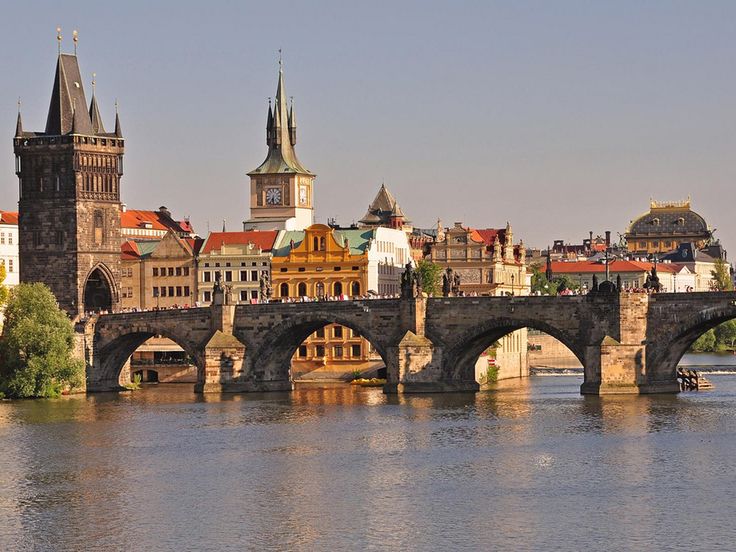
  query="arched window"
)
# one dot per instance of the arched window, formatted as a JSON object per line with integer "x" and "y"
{"x": 320, "y": 289}
{"x": 355, "y": 288}
{"x": 302, "y": 289}
{"x": 322, "y": 245}
{"x": 284, "y": 290}
{"x": 337, "y": 288}
{"x": 315, "y": 243}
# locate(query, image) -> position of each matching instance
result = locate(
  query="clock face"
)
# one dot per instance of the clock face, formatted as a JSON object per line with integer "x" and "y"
{"x": 273, "y": 196}
{"x": 303, "y": 195}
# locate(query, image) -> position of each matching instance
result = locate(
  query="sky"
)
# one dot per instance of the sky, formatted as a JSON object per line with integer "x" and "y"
{"x": 560, "y": 117}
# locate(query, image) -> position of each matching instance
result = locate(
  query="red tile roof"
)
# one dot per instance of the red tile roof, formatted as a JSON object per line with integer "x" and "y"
{"x": 261, "y": 238}
{"x": 136, "y": 218}
{"x": 8, "y": 217}
{"x": 488, "y": 235}
{"x": 129, "y": 251}
{"x": 585, "y": 267}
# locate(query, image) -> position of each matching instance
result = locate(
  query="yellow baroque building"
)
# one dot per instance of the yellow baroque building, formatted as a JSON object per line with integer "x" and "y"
{"x": 324, "y": 263}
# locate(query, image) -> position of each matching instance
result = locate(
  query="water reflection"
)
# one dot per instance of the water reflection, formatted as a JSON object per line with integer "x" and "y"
{"x": 528, "y": 465}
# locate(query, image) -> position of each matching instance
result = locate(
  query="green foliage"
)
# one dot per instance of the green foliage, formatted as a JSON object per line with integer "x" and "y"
{"x": 3, "y": 289}
{"x": 705, "y": 343}
{"x": 564, "y": 282}
{"x": 721, "y": 276}
{"x": 540, "y": 284}
{"x": 135, "y": 383}
{"x": 431, "y": 277}
{"x": 36, "y": 346}
{"x": 357, "y": 374}
{"x": 726, "y": 334}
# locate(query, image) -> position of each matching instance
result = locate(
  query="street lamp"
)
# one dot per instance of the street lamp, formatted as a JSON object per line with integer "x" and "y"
{"x": 512, "y": 284}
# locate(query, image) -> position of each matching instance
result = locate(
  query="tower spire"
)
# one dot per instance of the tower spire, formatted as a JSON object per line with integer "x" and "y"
{"x": 118, "y": 130}
{"x": 19, "y": 123}
{"x": 94, "y": 110}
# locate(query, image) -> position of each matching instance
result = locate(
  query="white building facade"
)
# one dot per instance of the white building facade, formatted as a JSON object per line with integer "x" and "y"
{"x": 9, "y": 247}
{"x": 388, "y": 253}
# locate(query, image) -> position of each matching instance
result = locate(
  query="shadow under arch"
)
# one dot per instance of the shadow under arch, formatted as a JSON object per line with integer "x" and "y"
{"x": 282, "y": 342}
{"x": 668, "y": 354}
{"x": 463, "y": 353}
{"x": 99, "y": 292}
{"x": 111, "y": 358}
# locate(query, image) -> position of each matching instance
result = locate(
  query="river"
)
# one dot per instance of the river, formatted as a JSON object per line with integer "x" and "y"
{"x": 530, "y": 466}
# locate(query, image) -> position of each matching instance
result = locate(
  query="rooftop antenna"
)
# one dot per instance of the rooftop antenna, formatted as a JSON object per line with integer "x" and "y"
{"x": 58, "y": 38}
{"x": 75, "y": 38}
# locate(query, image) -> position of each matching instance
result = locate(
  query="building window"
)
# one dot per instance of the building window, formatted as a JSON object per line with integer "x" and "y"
{"x": 284, "y": 270}
{"x": 302, "y": 289}
{"x": 178, "y": 291}
{"x": 178, "y": 271}
{"x": 337, "y": 331}
{"x": 355, "y": 351}
{"x": 186, "y": 291}
{"x": 207, "y": 296}
{"x": 163, "y": 291}
{"x": 243, "y": 295}
{"x": 207, "y": 276}
{"x": 337, "y": 269}
{"x": 319, "y": 351}
{"x": 243, "y": 275}
{"x": 10, "y": 238}
{"x": 301, "y": 269}
{"x": 320, "y": 333}
{"x": 337, "y": 351}
{"x": 254, "y": 294}
{"x": 98, "y": 230}
{"x": 10, "y": 265}
{"x": 155, "y": 271}
{"x": 253, "y": 275}
{"x": 228, "y": 275}
{"x": 284, "y": 290}
{"x": 171, "y": 271}
{"x": 2, "y": 238}
{"x": 186, "y": 271}
{"x": 171, "y": 291}
{"x": 302, "y": 351}
{"x": 337, "y": 288}
{"x": 355, "y": 288}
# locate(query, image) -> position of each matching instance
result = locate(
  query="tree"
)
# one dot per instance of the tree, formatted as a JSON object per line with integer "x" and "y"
{"x": 706, "y": 343}
{"x": 721, "y": 274}
{"x": 3, "y": 289}
{"x": 36, "y": 346}
{"x": 540, "y": 284}
{"x": 431, "y": 274}
{"x": 726, "y": 334}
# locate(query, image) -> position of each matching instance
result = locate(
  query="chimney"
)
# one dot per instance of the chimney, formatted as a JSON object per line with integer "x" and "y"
{"x": 590, "y": 234}
{"x": 164, "y": 211}
{"x": 123, "y": 207}
{"x": 608, "y": 238}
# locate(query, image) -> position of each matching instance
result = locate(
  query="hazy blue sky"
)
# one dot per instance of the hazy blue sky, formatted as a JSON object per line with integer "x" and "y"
{"x": 561, "y": 117}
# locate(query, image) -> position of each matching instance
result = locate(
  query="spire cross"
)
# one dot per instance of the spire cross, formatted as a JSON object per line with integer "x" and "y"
{"x": 75, "y": 38}
{"x": 58, "y": 38}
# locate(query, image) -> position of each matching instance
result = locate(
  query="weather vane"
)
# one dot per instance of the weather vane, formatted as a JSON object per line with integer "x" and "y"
{"x": 58, "y": 38}
{"x": 75, "y": 38}
{"x": 94, "y": 83}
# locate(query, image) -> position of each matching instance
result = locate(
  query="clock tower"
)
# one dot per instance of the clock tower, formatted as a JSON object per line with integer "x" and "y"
{"x": 281, "y": 189}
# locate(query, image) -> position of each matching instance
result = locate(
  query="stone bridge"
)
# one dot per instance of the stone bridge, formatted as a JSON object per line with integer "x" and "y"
{"x": 627, "y": 343}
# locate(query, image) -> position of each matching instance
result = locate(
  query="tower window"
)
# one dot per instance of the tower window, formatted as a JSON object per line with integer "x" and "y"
{"x": 98, "y": 230}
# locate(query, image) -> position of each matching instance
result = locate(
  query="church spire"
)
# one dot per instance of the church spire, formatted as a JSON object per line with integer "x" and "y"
{"x": 94, "y": 111}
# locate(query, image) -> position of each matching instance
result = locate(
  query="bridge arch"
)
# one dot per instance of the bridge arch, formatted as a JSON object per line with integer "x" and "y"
{"x": 274, "y": 354}
{"x": 668, "y": 347}
{"x": 462, "y": 353}
{"x": 115, "y": 343}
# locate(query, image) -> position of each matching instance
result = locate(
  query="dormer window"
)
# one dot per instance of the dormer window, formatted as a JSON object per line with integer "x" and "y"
{"x": 655, "y": 222}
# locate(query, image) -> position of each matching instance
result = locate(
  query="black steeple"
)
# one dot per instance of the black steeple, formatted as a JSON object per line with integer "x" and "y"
{"x": 118, "y": 130}
{"x": 68, "y": 91}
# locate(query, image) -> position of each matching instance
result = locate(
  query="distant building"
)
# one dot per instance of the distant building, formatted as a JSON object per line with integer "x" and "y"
{"x": 281, "y": 188}
{"x": 9, "y": 247}
{"x": 152, "y": 225}
{"x": 633, "y": 274}
{"x": 384, "y": 211}
{"x": 241, "y": 258}
{"x": 665, "y": 226}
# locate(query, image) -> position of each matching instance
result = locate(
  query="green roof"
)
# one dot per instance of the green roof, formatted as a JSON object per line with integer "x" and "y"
{"x": 358, "y": 240}
{"x": 146, "y": 247}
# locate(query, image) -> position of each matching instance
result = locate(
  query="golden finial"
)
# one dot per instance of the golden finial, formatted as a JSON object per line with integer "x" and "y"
{"x": 94, "y": 83}
{"x": 58, "y": 38}
{"x": 75, "y": 38}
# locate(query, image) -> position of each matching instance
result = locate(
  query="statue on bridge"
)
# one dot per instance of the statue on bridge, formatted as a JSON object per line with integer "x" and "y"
{"x": 411, "y": 282}
{"x": 264, "y": 287}
{"x": 448, "y": 280}
{"x": 652, "y": 282}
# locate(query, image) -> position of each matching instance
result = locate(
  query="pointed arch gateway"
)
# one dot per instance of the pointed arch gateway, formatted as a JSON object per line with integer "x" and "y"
{"x": 99, "y": 289}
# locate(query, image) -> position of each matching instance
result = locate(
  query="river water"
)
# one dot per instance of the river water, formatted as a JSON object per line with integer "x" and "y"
{"x": 530, "y": 466}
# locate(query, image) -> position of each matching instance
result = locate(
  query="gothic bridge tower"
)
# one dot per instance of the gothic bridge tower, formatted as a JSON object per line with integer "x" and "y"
{"x": 69, "y": 197}
{"x": 281, "y": 187}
